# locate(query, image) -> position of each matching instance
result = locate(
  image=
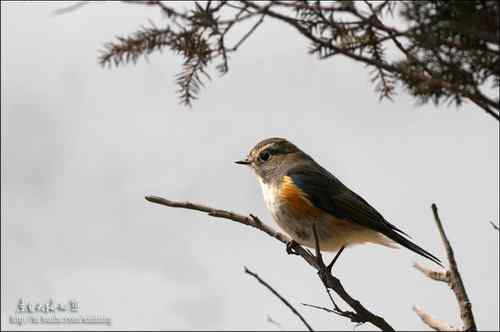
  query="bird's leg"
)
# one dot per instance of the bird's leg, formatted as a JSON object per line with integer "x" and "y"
{"x": 337, "y": 255}
{"x": 324, "y": 271}
{"x": 290, "y": 247}
{"x": 319, "y": 258}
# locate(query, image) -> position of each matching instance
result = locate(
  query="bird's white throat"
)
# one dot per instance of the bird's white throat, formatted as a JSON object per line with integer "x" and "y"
{"x": 270, "y": 195}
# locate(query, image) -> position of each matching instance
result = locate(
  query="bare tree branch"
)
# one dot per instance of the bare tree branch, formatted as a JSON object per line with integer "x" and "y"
{"x": 432, "y": 322}
{"x": 249, "y": 221}
{"x": 259, "y": 279}
{"x": 360, "y": 314}
{"x": 454, "y": 280}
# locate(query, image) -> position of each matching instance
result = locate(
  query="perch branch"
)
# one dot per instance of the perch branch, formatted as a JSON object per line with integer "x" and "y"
{"x": 361, "y": 314}
{"x": 259, "y": 279}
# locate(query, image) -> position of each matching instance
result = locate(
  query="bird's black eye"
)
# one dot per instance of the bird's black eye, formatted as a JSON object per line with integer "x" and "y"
{"x": 265, "y": 156}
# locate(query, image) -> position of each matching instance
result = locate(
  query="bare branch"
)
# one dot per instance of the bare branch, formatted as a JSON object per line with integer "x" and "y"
{"x": 249, "y": 221}
{"x": 318, "y": 307}
{"x": 495, "y": 226}
{"x": 432, "y": 322}
{"x": 246, "y": 35}
{"x": 456, "y": 283}
{"x": 68, "y": 9}
{"x": 361, "y": 314}
{"x": 443, "y": 276}
{"x": 275, "y": 323}
{"x": 259, "y": 279}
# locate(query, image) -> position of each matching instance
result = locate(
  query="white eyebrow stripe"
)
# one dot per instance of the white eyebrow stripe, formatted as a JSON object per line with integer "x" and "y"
{"x": 262, "y": 148}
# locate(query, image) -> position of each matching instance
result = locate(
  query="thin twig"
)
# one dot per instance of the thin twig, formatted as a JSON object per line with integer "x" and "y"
{"x": 443, "y": 276}
{"x": 275, "y": 323}
{"x": 433, "y": 322}
{"x": 456, "y": 283}
{"x": 348, "y": 314}
{"x": 495, "y": 226}
{"x": 361, "y": 313}
{"x": 335, "y": 306}
{"x": 318, "y": 307}
{"x": 246, "y": 35}
{"x": 259, "y": 279}
{"x": 70, "y": 8}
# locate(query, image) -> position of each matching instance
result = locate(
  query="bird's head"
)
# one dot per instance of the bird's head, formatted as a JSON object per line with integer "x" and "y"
{"x": 269, "y": 156}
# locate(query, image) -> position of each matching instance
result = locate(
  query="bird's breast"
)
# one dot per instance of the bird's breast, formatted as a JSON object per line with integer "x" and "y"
{"x": 292, "y": 210}
{"x": 270, "y": 194}
{"x": 285, "y": 198}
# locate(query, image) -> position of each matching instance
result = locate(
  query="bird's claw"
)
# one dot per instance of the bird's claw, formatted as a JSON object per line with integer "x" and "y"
{"x": 290, "y": 247}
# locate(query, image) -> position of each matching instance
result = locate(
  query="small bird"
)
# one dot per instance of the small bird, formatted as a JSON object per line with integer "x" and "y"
{"x": 300, "y": 193}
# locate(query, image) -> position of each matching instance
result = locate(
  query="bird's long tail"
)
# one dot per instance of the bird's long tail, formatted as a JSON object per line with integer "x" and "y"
{"x": 396, "y": 237}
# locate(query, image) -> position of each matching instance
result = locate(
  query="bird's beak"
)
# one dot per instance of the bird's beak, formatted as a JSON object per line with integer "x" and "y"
{"x": 243, "y": 162}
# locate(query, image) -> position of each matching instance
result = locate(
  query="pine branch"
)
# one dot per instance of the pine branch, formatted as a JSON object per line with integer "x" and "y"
{"x": 142, "y": 43}
{"x": 448, "y": 50}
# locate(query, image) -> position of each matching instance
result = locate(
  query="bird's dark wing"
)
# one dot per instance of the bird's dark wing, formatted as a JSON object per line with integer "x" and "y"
{"x": 328, "y": 193}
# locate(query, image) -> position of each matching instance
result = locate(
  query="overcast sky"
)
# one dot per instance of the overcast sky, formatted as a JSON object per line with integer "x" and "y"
{"x": 82, "y": 145}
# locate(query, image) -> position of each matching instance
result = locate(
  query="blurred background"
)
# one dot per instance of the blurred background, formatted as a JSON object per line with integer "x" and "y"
{"x": 82, "y": 145}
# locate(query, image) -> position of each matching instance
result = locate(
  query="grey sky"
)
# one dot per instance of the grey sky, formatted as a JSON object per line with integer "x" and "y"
{"x": 82, "y": 146}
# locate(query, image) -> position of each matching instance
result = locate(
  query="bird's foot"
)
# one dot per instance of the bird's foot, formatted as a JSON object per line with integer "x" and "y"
{"x": 290, "y": 247}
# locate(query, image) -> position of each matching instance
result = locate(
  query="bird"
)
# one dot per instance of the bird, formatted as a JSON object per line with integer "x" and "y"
{"x": 313, "y": 206}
